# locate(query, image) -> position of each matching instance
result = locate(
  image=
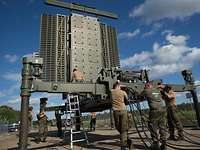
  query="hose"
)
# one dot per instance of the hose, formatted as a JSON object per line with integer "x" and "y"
{"x": 143, "y": 120}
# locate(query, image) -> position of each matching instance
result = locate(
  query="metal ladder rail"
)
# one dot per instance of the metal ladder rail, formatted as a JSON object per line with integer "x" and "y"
{"x": 73, "y": 108}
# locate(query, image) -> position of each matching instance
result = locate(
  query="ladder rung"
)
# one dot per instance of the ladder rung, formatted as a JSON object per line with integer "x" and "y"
{"x": 73, "y": 109}
{"x": 78, "y": 140}
{"x": 76, "y": 132}
{"x": 73, "y": 103}
{"x": 76, "y": 116}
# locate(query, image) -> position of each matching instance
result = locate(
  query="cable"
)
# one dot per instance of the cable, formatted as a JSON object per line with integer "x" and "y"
{"x": 173, "y": 145}
{"x": 132, "y": 112}
{"x": 168, "y": 144}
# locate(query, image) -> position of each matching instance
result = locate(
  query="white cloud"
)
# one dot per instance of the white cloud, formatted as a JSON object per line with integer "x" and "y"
{"x": 166, "y": 32}
{"x": 166, "y": 59}
{"x": 197, "y": 83}
{"x": 10, "y": 90}
{"x": 12, "y": 76}
{"x": 177, "y": 40}
{"x": 154, "y": 10}
{"x": 11, "y": 58}
{"x": 129, "y": 34}
{"x": 14, "y": 100}
{"x": 14, "y": 87}
{"x": 155, "y": 28}
{"x": 144, "y": 58}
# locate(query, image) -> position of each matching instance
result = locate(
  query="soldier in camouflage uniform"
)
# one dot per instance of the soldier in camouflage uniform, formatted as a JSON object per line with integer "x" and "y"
{"x": 172, "y": 118}
{"x": 93, "y": 121}
{"x": 156, "y": 115}
{"x": 43, "y": 129}
{"x": 58, "y": 123}
{"x": 30, "y": 117}
{"x": 42, "y": 121}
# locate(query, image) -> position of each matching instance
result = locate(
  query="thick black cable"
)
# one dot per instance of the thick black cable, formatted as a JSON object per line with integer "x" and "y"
{"x": 186, "y": 138}
{"x": 133, "y": 117}
{"x": 168, "y": 144}
{"x": 196, "y": 136}
{"x": 142, "y": 123}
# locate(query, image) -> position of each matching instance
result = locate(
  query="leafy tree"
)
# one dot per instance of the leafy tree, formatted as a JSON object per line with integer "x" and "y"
{"x": 8, "y": 114}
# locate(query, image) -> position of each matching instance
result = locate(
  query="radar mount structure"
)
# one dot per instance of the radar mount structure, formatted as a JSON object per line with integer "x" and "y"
{"x": 99, "y": 90}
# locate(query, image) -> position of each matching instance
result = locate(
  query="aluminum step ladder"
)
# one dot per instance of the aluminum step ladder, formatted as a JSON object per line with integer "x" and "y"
{"x": 73, "y": 110}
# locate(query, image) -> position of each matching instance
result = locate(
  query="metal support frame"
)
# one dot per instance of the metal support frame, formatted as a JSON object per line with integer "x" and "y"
{"x": 100, "y": 90}
{"x": 187, "y": 76}
{"x": 81, "y": 8}
{"x": 196, "y": 105}
{"x": 25, "y": 94}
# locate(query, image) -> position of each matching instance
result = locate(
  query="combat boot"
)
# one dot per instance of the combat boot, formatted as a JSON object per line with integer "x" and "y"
{"x": 123, "y": 147}
{"x": 163, "y": 146}
{"x": 171, "y": 137}
{"x": 130, "y": 144}
{"x": 154, "y": 146}
{"x": 180, "y": 138}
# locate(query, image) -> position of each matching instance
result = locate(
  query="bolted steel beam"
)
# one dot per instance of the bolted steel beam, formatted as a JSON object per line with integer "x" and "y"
{"x": 81, "y": 8}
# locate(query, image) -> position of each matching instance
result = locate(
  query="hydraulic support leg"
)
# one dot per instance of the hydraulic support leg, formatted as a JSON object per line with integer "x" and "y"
{"x": 25, "y": 94}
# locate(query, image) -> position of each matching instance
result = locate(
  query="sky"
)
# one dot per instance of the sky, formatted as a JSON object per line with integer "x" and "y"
{"x": 159, "y": 35}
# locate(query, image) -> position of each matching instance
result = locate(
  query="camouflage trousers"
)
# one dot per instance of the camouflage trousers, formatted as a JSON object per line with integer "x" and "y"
{"x": 121, "y": 124}
{"x": 43, "y": 130}
{"x": 173, "y": 121}
{"x": 157, "y": 122}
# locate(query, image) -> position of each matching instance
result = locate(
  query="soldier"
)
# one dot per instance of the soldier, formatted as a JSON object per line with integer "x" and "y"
{"x": 58, "y": 123}
{"x": 43, "y": 129}
{"x": 30, "y": 117}
{"x": 119, "y": 98}
{"x": 93, "y": 121}
{"x": 156, "y": 115}
{"x": 172, "y": 118}
{"x": 77, "y": 75}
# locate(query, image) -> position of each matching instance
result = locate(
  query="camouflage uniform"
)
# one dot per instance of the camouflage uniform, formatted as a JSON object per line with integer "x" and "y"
{"x": 30, "y": 117}
{"x": 120, "y": 115}
{"x": 172, "y": 118}
{"x": 43, "y": 128}
{"x": 58, "y": 123}
{"x": 93, "y": 121}
{"x": 156, "y": 115}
